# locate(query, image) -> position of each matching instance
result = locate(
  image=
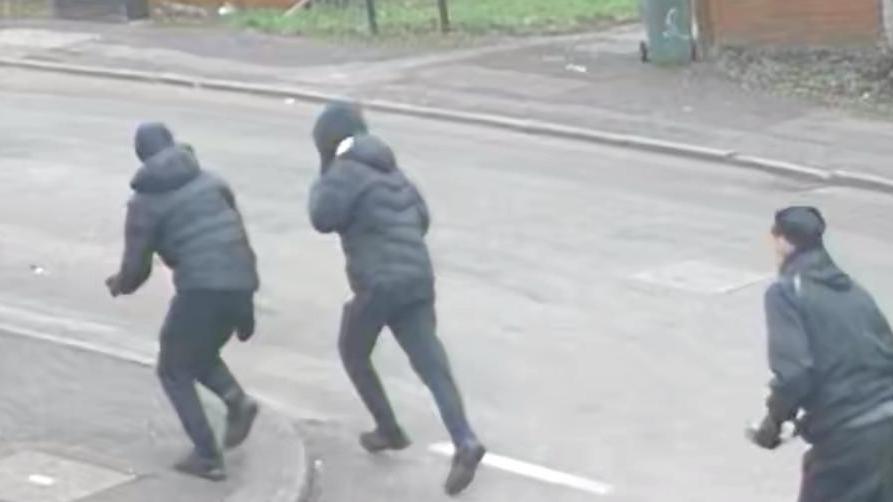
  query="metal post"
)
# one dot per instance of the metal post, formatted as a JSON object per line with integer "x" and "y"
{"x": 444, "y": 16}
{"x": 373, "y": 20}
{"x": 705, "y": 27}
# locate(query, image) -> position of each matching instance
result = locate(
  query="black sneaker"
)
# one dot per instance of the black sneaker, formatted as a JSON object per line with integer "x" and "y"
{"x": 207, "y": 468}
{"x": 465, "y": 465}
{"x": 377, "y": 441}
{"x": 239, "y": 422}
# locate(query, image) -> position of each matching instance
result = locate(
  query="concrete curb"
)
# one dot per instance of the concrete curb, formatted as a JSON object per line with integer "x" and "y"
{"x": 302, "y": 488}
{"x": 534, "y": 127}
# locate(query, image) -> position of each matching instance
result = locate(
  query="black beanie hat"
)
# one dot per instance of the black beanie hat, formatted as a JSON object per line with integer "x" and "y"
{"x": 802, "y": 226}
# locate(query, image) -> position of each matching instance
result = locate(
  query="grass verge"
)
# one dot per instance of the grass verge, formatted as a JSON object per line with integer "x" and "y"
{"x": 406, "y": 18}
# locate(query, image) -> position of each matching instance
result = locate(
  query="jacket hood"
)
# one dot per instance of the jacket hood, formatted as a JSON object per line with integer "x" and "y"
{"x": 818, "y": 266}
{"x": 338, "y": 121}
{"x": 167, "y": 170}
{"x": 151, "y": 138}
{"x": 371, "y": 151}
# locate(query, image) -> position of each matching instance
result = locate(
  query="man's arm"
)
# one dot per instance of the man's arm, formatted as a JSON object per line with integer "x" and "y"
{"x": 790, "y": 355}
{"x": 424, "y": 212}
{"x": 332, "y": 198}
{"x": 139, "y": 247}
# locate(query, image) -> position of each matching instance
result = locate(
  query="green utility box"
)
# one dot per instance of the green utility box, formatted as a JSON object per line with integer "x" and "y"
{"x": 668, "y": 26}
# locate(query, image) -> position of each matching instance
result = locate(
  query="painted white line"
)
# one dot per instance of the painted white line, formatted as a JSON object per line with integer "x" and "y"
{"x": 121, "y": 354}
{"x": 142, "y": 358}
{"x": 533, "y": 471}
{"x": 41, "y": 480}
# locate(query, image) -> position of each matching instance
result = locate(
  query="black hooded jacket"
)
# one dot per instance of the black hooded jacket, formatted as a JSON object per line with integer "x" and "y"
{"x": 189, "y": 218}
{"x": 380, "y": 215}
{"x": 830, "y": 348}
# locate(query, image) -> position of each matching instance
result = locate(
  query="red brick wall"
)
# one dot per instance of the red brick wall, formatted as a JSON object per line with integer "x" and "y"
{"x": 795, "y": 22}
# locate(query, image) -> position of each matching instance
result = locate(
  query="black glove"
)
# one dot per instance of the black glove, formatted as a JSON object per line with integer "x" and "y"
{"x": 767, "y": 435}
{"x": 114, "y": 286}
{"x": 246, "y": 326}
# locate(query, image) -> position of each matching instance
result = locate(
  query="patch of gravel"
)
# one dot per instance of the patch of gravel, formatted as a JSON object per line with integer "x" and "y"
{"x": 860, "y": 78}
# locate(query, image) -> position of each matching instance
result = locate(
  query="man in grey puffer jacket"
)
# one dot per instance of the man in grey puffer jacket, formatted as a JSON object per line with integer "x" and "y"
{"x": 190, "y": 219}
{"x": 382, "y": 219}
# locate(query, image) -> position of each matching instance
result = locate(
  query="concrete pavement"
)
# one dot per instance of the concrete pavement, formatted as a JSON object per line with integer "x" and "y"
{"x": 592, "y": 82}
{"x": 76, "y": 425}
{"x": 602, "y": 307}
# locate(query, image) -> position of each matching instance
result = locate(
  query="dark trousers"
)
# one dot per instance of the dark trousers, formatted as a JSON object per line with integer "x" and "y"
{"x": 198, "y": 325}
{"x": 415, "y": 328}
{"x": 851, "y": 465}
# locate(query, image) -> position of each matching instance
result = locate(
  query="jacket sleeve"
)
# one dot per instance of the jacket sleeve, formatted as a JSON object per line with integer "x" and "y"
{"x": 139, "y": 247}
{"x": 225, "y": 190}
{"x": 424, "y": 212}
{"x": 790, "y": 355}
{"x": 332, "y": 199}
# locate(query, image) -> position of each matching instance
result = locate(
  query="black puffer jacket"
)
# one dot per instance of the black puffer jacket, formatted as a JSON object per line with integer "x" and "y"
{"x": 380, "y": 215}
{"x": 189, "y": 217}
{"x": 830, "y": 348}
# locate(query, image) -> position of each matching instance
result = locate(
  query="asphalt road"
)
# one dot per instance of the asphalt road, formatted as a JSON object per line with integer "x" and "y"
{"x": 566, "y": 358}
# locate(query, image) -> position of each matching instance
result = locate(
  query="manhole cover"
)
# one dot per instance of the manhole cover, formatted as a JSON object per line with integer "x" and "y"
{"x": 32, "y": 476}
{"x": 700, "y": 277}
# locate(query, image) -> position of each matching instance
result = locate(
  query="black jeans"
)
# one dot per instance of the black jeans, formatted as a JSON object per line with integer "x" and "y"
{"x": 414, "y": 326}
{"x": 851, "y": 465}
{"x": 198, "y": 325}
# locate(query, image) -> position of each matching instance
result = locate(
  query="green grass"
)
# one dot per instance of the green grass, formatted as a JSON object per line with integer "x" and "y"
{"x": 400, "y": 18}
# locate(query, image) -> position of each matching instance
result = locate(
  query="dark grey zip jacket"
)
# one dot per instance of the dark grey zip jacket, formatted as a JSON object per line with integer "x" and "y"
{"x": 190, "y": 219}
{"x": 380, "y": 215}
{"x": 830, "y": 349}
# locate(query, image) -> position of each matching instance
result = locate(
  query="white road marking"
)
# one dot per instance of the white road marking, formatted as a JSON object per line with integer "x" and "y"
{"x": 41, "y": 480}
{"x": 533, "y": 471}
{"x": 121, "y": 354}
{"x": 700, "y": 277}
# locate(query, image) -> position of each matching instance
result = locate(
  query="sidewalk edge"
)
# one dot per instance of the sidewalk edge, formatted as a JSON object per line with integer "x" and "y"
{"x": 302, "y": 489}
{"x": 533, "y": 127}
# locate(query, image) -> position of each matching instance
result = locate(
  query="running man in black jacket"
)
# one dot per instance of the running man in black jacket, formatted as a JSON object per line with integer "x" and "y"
{"x": 831, "y": 353}
{"x": 382, "y": 220}
{"x": 189, "y": 218}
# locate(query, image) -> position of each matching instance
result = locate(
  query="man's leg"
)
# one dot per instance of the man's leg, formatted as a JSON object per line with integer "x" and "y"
{"x": 186, "y": 318}
{"x": 853, "y": 465}
{"x": 241, "y": 409}
{"x": 219, "y": 380}
{"x": 361, "y": 323}
{"x": 415, "y": 328}
{"x": 216, "y": 377}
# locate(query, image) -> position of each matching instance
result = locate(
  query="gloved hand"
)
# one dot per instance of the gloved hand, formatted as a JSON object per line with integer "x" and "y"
{"x": 245, "y": 330}
{"x": 112, "y": 283}
{"x": 246, "y": 326}
{"x": 765, "y": 435}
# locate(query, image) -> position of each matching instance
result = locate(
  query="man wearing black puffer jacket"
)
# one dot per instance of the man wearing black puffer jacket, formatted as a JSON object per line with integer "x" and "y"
{"x": 831, "y": 352}
{"x": 382, "y": 219}
{"x": 190, "y": 219}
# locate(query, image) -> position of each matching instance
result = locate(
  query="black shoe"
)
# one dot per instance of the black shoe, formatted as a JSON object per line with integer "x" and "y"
{"x": 208, "y": 468}
{"x": 465, "y": 465}
{"x": 377, "y": 441}
{"x": 239, "y": 422}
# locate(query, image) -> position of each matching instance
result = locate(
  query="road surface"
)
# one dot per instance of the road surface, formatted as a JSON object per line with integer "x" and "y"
{"x": 601, "y": 306}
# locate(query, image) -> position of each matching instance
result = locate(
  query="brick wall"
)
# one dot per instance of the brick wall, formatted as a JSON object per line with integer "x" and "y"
{"x": 795, "y": 22}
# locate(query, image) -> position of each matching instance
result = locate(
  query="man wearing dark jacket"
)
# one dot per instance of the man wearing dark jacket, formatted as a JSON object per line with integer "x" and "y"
{"x": 190, "y": 219}
{"x": 382, "y": 220}
{"x": 831, "y": 353}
